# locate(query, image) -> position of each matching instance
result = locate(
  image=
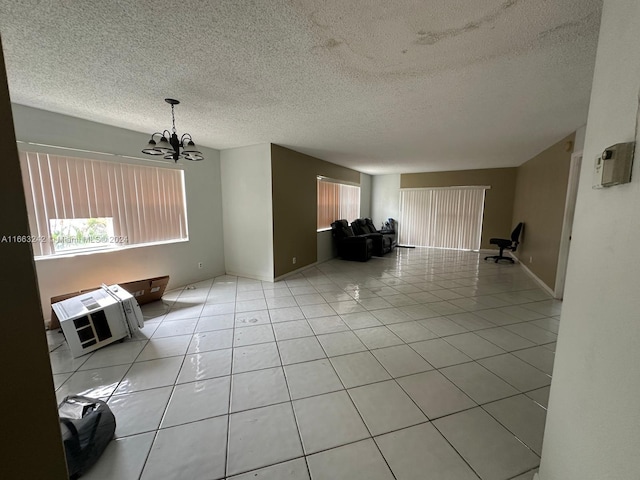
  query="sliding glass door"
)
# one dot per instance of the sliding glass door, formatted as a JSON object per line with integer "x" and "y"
{"x": 449, "y": 217}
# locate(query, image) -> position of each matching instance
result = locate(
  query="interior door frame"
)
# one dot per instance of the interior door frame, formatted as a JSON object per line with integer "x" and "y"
{"x": 567, "y": 223}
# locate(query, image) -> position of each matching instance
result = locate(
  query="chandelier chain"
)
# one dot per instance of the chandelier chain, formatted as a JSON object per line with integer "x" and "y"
{"x": 173, "y": 119}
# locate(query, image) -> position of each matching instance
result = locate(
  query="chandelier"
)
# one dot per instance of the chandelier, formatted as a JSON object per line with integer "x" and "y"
{"x": 170, "y": 146}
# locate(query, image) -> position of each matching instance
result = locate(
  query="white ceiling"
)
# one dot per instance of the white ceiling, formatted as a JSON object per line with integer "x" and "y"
{"x": 377, "y": 85}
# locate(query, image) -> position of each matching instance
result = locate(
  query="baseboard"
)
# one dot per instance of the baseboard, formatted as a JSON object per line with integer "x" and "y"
{"x": 296, "y": 271}
{"x": 544, "y": 286}
{"x": 251, "y": 276}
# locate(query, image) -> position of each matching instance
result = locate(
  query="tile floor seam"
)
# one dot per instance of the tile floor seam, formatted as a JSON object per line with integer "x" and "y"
{"x": 359, "y": 415}
{"x": 293, "y": 410}
{"x": 231, "y": 370}
{"x": 157, "y": 431}
{"x": 507, "y": 428}
{"x": 503, "y": 379}
{"x": 365, "y": 423}
{"x": 455, "y": 449}
{"x": 338, "y": 274}
{"x": 531, "y": 470}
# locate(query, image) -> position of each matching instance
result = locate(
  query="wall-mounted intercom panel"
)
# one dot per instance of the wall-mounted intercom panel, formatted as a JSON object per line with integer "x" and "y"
{"x": 613, "y": 167}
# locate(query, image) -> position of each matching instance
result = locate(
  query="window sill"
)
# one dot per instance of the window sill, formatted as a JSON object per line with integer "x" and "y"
{"x": 57, "y": 256}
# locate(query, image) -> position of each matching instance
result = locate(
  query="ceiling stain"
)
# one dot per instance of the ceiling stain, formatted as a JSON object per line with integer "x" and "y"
{"x": 332, "y": 43}
{"x": 329, "y": 82}
{"x": 563, "y": 27}
{"x": 431, "y": 38}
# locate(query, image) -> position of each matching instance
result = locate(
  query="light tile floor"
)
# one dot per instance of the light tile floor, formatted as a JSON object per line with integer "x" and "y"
{"x": 422, "y": 364}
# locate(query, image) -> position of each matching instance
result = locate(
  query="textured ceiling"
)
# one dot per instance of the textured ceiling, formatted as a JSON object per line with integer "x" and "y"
{"x": 377, "y": 85}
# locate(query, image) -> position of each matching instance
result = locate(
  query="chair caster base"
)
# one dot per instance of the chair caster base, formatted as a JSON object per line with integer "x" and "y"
{"x": 498, "y": 258}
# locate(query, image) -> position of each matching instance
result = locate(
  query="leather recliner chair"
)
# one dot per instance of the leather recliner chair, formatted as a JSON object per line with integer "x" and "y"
{"x": 351, "y": 246}
{"x": 364, "y": 227}
{"x": 389, "y": 230}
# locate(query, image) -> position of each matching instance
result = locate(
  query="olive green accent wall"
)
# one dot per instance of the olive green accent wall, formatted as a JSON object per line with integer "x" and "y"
{"x": 32, "y": 446}
{"x": 294, "y": 200}
{"x": 541, "y": 190}
{"x": 498, "y": 203}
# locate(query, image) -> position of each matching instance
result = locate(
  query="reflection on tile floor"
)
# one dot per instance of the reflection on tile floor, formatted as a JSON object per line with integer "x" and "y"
{"x": 424, "y": 362}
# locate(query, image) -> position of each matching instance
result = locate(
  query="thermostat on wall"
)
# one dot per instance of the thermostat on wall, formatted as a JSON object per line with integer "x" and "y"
{"x": 613, "y": 167}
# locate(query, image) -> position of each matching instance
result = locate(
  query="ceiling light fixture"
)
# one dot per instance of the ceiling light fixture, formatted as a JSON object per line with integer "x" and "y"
{"x": 170, "y": 146}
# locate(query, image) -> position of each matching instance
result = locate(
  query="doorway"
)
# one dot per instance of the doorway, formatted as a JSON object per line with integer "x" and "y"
{"x": 567, "y": 223}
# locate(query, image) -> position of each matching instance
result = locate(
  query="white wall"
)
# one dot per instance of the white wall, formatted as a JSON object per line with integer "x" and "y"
{"x": 365, "y": 195}
{"x": 247, "y": 211}
{"x": 179, "y": 260}
{"x": 385, "y": 198}
{"x": 326, "y": 247}
{"x": 593, "y": 422}
{"x": 578, "y": 144}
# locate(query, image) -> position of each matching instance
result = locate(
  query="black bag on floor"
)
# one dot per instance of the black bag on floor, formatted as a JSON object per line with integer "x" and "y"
{"x": 87, "y": 426}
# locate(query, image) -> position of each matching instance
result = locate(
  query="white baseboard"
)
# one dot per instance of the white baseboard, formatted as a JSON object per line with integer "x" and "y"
{"x": 544, "y": 286}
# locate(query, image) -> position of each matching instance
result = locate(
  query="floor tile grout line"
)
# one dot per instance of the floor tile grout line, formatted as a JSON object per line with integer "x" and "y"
{"x": 231, "y": 369}
{"x": 456, "y": 450}
{"x": 245, "y": 472}
{"x": 353, "y": 403}
{"x": 496, "y": 375}
{"x": 520, "y": 392}
{"x": 426, "y": 416}
{"x": 387, "y": 326}
{"x": 531, "y": 470}
{"x": 157, "y": 431}
{"x": 293, "y": 410}
{"x": 507, "y": 428}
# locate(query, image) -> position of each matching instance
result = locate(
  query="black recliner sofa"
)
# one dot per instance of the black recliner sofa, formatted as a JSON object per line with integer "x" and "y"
{"x": 381, "y": 243}
{"x": 364, "y": 226}
{"x": 351, "y": 246}
{"x": 389, "y": 230}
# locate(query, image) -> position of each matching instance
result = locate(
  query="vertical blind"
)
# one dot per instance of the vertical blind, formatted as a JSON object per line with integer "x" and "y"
{"x": 442, "y": 217}
{"x": 147, "y": 204}
{"x": 337, "y": 201}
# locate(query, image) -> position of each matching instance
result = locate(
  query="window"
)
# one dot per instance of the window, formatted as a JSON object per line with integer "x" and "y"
{"x": 442, "y": 217}
{"x": 77, "y": 204}
{"x": 336, "y": 201}
{"x": 77, "y": 234}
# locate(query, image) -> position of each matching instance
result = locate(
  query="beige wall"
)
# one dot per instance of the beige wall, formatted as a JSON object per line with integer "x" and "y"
{"x": 541, "y": 189}
{"x": 294, "y": 200}
{"x": 32, "y": 446}
{"x": 498, "y": 204}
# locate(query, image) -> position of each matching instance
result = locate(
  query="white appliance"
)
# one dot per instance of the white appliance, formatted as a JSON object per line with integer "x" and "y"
{"x": 95, "y": 319}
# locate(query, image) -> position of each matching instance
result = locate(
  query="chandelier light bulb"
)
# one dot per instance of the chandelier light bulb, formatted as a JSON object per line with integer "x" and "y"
{"x": 168, "y": 143}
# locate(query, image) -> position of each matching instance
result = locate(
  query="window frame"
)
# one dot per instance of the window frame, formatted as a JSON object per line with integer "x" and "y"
{"x": 139, "y": 178}
{"x": 337, "y": 209}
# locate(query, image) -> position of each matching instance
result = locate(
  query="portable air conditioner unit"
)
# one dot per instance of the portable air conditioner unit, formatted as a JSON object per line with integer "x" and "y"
{"x": 92, "y": 320}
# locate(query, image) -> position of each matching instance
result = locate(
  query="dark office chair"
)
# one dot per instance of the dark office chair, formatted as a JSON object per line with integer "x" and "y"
{"x": 510, "y": 244}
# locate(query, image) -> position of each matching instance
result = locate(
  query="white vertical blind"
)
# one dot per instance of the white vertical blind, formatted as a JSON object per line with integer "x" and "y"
{"x": 442, "y": 217}
{"x": 147, "y": 204}
{"x": 337, "y": 201}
